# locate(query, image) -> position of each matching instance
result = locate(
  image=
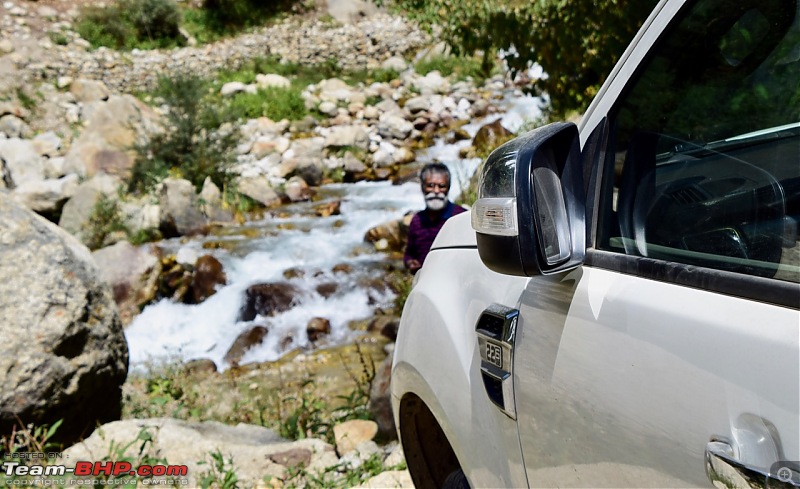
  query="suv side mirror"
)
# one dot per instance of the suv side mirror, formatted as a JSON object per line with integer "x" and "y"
{"x": 531, "y": 208}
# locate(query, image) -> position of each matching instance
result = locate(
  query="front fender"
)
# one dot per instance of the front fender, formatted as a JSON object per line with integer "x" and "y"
{"x": 437, "y": 359}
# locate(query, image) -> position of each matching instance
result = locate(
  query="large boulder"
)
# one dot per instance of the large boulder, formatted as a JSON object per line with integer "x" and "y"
{"x": 63, "y": 354}
{"x": 208, "y": 275}
{"x": 112, "y": 129}
{"x": 268, "y": 300}
{"x": 76, "y": 213}
{"x": 246, "y": 340}
{"x": 21, "y": 161}
{"x": 132, "y": 273}
{"x": 490, "y": 136}
{"x": 180, "y": 211}
{"x": 256, "y": 452}
{"x": 46, "y": 196}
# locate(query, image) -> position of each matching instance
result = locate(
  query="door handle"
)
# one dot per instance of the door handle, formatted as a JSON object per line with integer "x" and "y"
{"x": 724, "y": 470}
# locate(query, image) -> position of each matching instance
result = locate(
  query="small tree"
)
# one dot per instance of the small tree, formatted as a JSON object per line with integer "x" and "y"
{"x": 195, "y": 143}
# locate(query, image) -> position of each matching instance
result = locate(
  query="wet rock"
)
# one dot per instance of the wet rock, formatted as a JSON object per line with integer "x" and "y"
{"x": 175, "y": 279}
{"x": 258, "y": 189}
{"x": 244, "y": 342}
{"x": 395, "y": 233}
{"x": 342, "y": 268}
{"x": 350, "y": 434}
{"x": 317, "y": 327}
{"x": 386, "y": 325}
{"x": 268, "y": 300}
{"x": 132, "y": 273}
{"x": 208, "y": 274}
{"x": 327, "y": 289}
{"x": 63, "y": 347}
{"x": 380, "y": 402}
{"x": 490, "y": 136}
{"x": 328, "y": 209}
{"x": 297, "y": 190}
{"x": 294, "y": 272}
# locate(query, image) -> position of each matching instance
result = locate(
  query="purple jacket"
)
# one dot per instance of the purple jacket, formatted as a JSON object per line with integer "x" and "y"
{"x": 422, "y": 231}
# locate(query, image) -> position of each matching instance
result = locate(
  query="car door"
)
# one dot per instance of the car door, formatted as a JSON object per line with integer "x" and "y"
{"x": 671, "y": 358}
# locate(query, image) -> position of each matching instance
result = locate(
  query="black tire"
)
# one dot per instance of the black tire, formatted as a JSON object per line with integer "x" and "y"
{"x": 456, "y": 480}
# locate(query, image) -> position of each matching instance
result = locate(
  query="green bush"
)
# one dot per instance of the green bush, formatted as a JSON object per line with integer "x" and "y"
{"x": 460, "y": 66}
{"x": 577, "y": 42}
{"x": 273, "y": 102}
{"x": 127, "y": 24}
{"x": 230, "y": 16}
{"x": 195, "y": 143}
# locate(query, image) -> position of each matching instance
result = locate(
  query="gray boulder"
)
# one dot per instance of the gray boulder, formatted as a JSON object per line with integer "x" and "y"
{"x": 342, "y": 136}
{"x": 132, "y": 273}
{"x": 394, "y": 126}
{"x": 253, "y": 449}
{"x": 112, "y": 129}
{"x": 14, "y": 127}
{"x": 22, "y": 161}
{"x": 78, "y": 210}
{"x": 259, "y": 189}
{"x": 180, "y": 212}
{"x": 46, "y": 196}
{"x": 63, "y": 354}
{"x": 86, "y": 90}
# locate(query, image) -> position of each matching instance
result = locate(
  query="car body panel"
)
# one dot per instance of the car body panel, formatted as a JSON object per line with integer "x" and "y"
{"x": 636, "y": 376}
{"x": 622, "y": 377}
{"x": 447, "y": 335}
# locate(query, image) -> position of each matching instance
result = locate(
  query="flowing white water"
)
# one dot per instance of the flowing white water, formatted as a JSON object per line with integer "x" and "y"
{"x": 167, "y": 331}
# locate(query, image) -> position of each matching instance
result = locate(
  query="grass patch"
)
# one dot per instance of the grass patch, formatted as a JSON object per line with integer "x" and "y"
{"x": 461, "y": 67}
{"x": 273, "y": 102}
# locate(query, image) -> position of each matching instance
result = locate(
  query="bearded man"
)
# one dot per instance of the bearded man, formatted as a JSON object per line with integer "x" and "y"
{"x": 425, "y": 225}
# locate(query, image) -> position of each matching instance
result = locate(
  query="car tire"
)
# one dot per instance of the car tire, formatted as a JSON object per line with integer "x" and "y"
{"x": 456, "y": 480}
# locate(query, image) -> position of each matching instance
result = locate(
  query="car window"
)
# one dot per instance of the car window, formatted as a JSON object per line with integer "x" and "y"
{"x": 705, "y": 144}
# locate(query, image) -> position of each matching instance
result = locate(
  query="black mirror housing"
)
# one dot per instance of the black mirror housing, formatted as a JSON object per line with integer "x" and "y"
{"x": 530, "y": 213}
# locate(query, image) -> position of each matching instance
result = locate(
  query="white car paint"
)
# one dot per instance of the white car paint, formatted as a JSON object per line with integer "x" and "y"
{"x": 619, "y": 380}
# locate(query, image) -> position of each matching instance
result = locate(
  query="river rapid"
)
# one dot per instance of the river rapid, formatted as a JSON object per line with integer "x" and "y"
{"x": 321, "y": 250}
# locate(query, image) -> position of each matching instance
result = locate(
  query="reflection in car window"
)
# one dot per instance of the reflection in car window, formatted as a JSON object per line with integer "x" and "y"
{"x": 706, "y": 144}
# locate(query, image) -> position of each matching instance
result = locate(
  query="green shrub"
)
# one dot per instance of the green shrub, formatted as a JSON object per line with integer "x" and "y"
{"x": 230, "y": 16}
{"x": 273, "y": 102}
{"x": 194, "y": 144}
{"x": 460, "y": 66}
{"x": 577, "y": 42}
{"x": 128, "y": 24}
{"x": 105, "y": 220}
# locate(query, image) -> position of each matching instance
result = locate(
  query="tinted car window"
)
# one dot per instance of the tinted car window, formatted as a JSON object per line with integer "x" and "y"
{"x": 705, "y": 144}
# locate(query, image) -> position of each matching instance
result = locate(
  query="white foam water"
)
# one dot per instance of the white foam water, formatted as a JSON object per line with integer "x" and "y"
{"x": 168, "y": 332}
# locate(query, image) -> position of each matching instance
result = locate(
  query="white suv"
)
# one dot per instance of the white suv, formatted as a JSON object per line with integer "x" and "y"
{"x": 620, "y": 306}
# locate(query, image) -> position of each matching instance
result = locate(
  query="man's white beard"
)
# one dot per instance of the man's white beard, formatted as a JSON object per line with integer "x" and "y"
{"x": 435, "y": 201}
